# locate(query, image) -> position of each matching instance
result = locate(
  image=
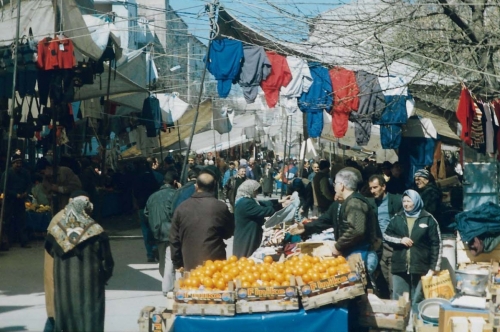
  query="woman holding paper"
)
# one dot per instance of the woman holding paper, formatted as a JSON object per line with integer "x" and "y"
{"x": 415, "y": 236}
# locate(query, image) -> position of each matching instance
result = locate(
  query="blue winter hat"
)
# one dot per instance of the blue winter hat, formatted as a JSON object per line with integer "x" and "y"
{"x": 417, "y": 201}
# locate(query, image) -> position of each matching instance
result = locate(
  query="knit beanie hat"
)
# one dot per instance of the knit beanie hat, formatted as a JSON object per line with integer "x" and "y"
{"x": 422, "y": 173}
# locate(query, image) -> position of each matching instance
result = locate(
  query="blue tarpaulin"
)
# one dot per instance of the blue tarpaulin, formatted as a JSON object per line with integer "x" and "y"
{"x": 481, "y": 220}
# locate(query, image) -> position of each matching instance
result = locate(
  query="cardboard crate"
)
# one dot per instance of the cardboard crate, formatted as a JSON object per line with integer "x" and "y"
{"x": 447, "y": 311}
{"x": 334, "y": 289}
{"x": 398, "y": 312}
{"x": 155, "y": 320}
{"x": 204, "y": 302}
{"x": 267, "y": 299}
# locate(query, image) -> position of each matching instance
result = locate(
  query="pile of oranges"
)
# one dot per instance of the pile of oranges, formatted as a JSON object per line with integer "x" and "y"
{"x": 215, "y": 275}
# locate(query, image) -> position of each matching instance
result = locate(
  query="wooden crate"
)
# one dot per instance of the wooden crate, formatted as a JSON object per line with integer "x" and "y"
{"x": 334, "y": 289}
{"x": 420, "y": 326}
{"x": 267, "y": 299}
{"x": 155, "y": 320}
{"x": 204, "y": 303}
{"x": 398, "y": 309}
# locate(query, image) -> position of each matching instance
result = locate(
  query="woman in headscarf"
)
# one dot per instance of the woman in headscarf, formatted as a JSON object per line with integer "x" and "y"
{"x": 82, "y": 264}
{"x": 429, "y": 191}
{"x": 415, "y": 236}
{"x": 249, "y": 217}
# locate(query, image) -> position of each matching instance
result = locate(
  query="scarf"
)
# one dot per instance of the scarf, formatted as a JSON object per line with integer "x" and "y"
{"x": 75, "y": 226}
{"x": 246, "y": 189}
{"x": 417, "y": 201}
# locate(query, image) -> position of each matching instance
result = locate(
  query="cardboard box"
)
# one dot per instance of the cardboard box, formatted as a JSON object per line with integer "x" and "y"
{"x": 447, "y": 311}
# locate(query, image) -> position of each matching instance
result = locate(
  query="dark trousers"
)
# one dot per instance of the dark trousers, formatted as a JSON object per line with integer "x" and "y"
{"x": 385, "y": 266}
{"x": 15, "y": 217}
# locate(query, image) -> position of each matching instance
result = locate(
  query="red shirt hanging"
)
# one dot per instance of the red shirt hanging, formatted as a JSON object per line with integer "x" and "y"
{"x": 346, "y": 100}
{"x": 56, "y": 54}
{"x": 280, "y": 76}
{"x": 465, "y": 115}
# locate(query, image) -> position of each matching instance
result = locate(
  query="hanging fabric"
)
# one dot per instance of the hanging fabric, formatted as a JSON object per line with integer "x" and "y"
{"x": 465, "y": 115}
{"x": 220, "y": 120}
{"x": 300, "y": 83}
{"x": 224, "y": 62}
{"x": 172, "y": 107}
{"x": 280, "y": 76}
{"x": 316, "y": 99}
{"x": 345, "y": 91}
{"x": 489, "y": 130}
{"x": 255, "y": 68}
{"x": 371, "y": 105}
{"x": 399, "y": 105}
{"x": 151, "y": 116}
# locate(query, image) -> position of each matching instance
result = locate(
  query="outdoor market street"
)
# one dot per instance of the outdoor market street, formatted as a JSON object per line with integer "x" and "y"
{"x": 134, "y": 284}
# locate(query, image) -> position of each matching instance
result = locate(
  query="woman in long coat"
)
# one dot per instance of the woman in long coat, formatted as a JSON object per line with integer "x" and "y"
{"x": 249, "y": 217}
{"x": 82, "y": 266}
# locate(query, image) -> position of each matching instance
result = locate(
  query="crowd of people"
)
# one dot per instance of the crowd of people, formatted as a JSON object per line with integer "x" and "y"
{"x": 370, "y": 208}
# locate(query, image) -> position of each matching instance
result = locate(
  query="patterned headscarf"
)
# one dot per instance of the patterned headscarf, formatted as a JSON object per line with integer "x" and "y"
{"x": 246, "y": 189}
{"x": 422, "y": 173}
{"x": 417, "y": 201}
{"x": 76, "y": 226}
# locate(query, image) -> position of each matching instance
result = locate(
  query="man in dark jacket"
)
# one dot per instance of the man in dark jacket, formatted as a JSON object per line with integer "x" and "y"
{"x": 231, "y": 187}
{"x": 143, "y": 187}
{"x": 323, "y": 195}
{"x": 199, "y": 227}
{"x": 386, "y": 206}
{"x": 158, "y": 210}
{"x": 431, "y": 195}
{"x": 187, "y": 190}
{"x": 18, "y": 186}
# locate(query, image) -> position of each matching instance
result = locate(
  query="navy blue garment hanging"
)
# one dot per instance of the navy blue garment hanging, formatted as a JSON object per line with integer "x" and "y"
{"x": 151, "y": 116}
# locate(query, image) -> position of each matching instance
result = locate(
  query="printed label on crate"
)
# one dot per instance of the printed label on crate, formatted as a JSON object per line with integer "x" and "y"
{"x": 186, "y": 295}
{"x": 156, "y": 318}
{"x": 266, "y": 292}
{"x": 157, "y": 328}
{"x": 330, "y": 283}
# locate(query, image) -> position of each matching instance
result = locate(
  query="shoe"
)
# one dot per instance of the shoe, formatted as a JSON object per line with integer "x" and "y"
{"x": 151, "y": 260}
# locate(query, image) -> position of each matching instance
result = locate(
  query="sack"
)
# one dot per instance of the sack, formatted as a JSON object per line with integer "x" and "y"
{"x": 438, "y": 286}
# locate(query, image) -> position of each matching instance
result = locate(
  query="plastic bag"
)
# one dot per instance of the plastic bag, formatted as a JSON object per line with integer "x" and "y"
{"x": 439, "y": 286}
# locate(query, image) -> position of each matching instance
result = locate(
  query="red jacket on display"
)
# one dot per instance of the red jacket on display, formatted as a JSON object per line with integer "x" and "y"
{"x": 345, "y": 91}
{"x": 55, "y": 53}
{"x": 66, "y": 54}
{"x": 465, "y": 115}
{"x": 280, "y": 76}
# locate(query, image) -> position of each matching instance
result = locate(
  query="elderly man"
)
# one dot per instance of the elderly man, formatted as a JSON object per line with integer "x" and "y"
{"x": 314, "y": 170}
{"x": 387, "y": 205}
{"x": 232, "y": 185}
{"x": 79, "y": 263}
{"x": 199, "y": 227}
{"x": 67, "y": 182}
{"x": 18, "y": 185}
{"x": 229, "y": 173}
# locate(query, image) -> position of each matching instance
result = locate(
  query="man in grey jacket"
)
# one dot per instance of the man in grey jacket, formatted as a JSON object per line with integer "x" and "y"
{"x": 159, "y": 212}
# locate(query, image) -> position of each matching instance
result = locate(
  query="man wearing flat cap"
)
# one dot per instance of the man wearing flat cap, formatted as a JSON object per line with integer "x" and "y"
{"x": 18, "y": 186}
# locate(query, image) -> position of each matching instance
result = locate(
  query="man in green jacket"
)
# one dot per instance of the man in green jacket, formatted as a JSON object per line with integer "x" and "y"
{"x": 159, "y": 212}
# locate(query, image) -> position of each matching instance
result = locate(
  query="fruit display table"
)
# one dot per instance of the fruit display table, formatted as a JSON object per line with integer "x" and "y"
{"x": 329, "y": 318}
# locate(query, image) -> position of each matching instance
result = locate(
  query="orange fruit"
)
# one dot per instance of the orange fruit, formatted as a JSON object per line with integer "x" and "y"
{"x": 268, "y": 259}
{"x": 243, "y": 259}
{"x": 208, "y": 282}
{"x": 233, "y": 259}
{"x": 306, "y": 278}
{"x": 246, "y": 284}
{"x": 220, "y": 284}
{"x": 285, "y": 283}
{"x": 342, "y": 260}
{"x": 315, "y": 260}
{"x": 279, "y": 277}
{"x": 275, "y": 283}
{"x": 315, "y": 276}
{"x": 227, "y": 277}
{"x": 209, "y": 262}
{"x": 332, "y": 271}
{"x": 295, "y": 259}
{"x": 265, "y": 277}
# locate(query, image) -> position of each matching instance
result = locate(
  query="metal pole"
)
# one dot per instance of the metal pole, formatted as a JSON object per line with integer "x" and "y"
{"x": 188, "y": 69}
{"x": 213, "y": 8}
{"x": 179, "y": 137}
{"x": 284, "y": 158}
{"x": 11, "y": 111}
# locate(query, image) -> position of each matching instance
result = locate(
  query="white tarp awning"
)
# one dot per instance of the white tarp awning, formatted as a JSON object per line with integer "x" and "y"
{"x": 37, "y": 15}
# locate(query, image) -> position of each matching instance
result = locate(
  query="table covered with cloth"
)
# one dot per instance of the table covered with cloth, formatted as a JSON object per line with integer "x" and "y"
{"x": 330, "y": 318}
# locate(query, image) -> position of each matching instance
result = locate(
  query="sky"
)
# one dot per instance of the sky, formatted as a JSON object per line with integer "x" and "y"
{"x": 284, "y": 19}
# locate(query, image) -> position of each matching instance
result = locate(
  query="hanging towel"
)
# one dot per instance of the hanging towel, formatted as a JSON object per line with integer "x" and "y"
{"x": 220, "y": 120}
{"x": 151, "y": 116}
{"x": 256, "y": 67}
{"x": 346, "y": 99}
{"x": 249, "y": 132}
{"x": 225, "y": 57}
{"x": 300, "y": 83}
{"x": 280, "y": 76}
{"x": 172, "y": 107}
{"x": 371, "y": 105}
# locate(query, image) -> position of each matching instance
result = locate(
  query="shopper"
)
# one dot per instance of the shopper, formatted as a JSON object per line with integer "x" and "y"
{"x": 267, "y": 180}
{"x": 429, "y": 192}
{"x": 249, "y": 217}
{"x": 323, "y": 195}
{"x": 199, "y": 227}
{"x": 415, "y": 236}
{"x": 82, "y": 266}
{"x": 231, "y": 187}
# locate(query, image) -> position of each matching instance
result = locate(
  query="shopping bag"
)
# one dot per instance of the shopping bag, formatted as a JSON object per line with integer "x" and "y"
{"x": 439, "y": 285}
